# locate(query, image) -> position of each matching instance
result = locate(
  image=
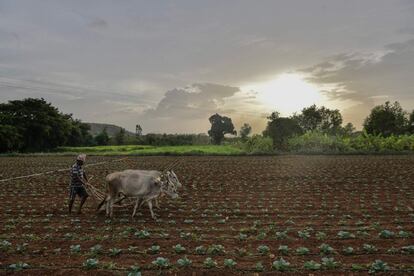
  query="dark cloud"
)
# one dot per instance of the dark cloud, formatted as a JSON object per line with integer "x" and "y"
{"x": 192, "y": 102}
{"x": 98, "y": 24}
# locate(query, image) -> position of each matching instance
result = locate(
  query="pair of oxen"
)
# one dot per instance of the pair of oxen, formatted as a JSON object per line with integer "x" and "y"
{"x": 145, "y": 186}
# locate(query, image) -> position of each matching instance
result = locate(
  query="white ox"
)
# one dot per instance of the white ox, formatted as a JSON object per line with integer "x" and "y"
{"x": 140, "y": 184}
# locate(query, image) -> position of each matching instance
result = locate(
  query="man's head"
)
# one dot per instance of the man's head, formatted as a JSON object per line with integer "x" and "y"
{"x": 81, "y": 158}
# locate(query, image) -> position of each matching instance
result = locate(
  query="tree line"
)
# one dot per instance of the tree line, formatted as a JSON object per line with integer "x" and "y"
{"x": 384, "y": 120}
{"x": 32, "y": 125}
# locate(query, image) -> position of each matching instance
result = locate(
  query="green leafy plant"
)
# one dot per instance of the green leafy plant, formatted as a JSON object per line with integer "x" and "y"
{"x": 18, "y": 266}
{"x": 283, "y": 249}
{"x": 368, "y": 248}
{"x": 329, "y": 263}
{"x": 262, "y": 235}
{"x": 241, "y": 252}
{"x": 229, "y": 263}
{"x": 304, "y": 234}
{"x": 348, "y": 250}
{"x": 312, "y": 265}
{"x": 404, "y": 234}
{"x": 345, "y": 235}
{"x": 200, "y": 250}
{"x": 263, "y": 249}
{"x": 20, "y": 248}
{"x": 386, "y": 234}
{"x": 302, "y": 251}
{"x": 161, "y": 262}
{"x": 216, "y": 249}
{"x": 325, "y": 249}
{"x": 281, "y": 235}
{"x": 155, "y": 249}
{"x": 209, "y": 263}
{"x": 91, "y": 263}
{"x": 281, "y": 265}
{"x": 378, "y": 266}
{"x": 408, "y": 249}
{"x": 96, "y": 250}
{"x": 242, "y": 237}
{"x": 259, "y": 267}
{"x": 114, "y": 252}
{"x": 186, "y": 235}
{"x": 75, "y": 248}
{"x": 184, "y": 262}
{"x": 320, "y": 235}
{"x": 134, "y": 271}
{"x": 5, "y": 245}
{"x": 108, "y": 265}
{"x": 357, "y": 267}
{"x": 392, "y": 250}
{"x": 179, "y": 248}
{"x": 142, "y": 234}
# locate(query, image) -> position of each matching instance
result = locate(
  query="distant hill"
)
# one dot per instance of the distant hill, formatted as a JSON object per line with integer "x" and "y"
{"x": 112, "y": 130}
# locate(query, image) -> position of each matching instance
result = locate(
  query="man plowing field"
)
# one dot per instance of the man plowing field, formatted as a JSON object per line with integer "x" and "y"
{"x": 77, "y": 181}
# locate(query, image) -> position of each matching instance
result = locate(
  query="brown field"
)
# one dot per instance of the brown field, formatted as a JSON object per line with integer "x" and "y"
{"x": 233, "y": 206}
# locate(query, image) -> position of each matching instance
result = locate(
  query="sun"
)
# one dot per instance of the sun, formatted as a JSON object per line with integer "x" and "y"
{"x": 287, "y": 93}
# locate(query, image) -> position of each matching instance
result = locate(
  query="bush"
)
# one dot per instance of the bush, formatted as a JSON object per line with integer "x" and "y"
{"x": 316, "y": 142}
{"x": 258, "y": 144}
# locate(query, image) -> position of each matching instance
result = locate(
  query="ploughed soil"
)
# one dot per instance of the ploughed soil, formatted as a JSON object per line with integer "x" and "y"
{"x": 239, "y": 208}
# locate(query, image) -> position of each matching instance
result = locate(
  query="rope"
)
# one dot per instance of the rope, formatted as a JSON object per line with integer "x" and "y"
{"x": 60, "y": 170}
{"x": 91, "y": 189}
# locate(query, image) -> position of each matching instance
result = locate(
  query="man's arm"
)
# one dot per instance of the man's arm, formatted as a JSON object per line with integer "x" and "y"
{"x": 81, "y": 176}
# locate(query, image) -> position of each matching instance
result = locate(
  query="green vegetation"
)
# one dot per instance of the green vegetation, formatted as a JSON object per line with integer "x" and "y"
{"x": 152, "y": 150}
{"x": 26, "y": 126}
{"x": 316, "y": 142}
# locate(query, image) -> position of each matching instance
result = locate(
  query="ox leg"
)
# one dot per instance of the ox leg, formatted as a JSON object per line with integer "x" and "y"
{"x": 157, "y": 203}
{"x": 150, "y": 207}
{"x": 107, "y": 205}
{"x": 111, "y": 208}
{"x": 136, "y": 207}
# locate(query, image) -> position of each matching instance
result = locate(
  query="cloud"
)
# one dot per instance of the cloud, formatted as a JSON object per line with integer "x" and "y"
{"x": 192, "y": 102}
{"x": 368, "y": 79}
{"x": 98, "y": 24}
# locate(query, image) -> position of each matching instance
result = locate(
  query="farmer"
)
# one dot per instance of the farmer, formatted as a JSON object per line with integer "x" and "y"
{"x": 77, "y": 181}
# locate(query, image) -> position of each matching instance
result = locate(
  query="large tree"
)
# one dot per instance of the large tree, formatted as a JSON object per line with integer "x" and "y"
{"x": 79, "y": 134}
{"x": 387, "y": 119}
{"x": 322, "y": 119}
{"x": 245, "y": 130}
{"x": 102, "y": 139}
{"x": 220, "y": 125}
{"x": 37, "y": 125}
{"x": 120, "y": 137}
{"x": 10, "y": 138}
{"x": 138, "y": 131}
{"x": 280, "y": 129}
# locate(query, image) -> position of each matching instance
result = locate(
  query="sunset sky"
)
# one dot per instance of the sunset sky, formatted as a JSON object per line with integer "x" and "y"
{"x": 169, "y": 65}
